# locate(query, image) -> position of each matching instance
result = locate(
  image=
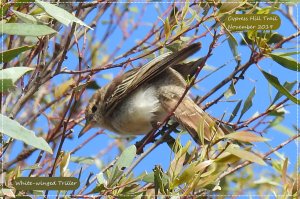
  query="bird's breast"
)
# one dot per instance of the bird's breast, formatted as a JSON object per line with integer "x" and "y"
{"x": 138, "y": 112}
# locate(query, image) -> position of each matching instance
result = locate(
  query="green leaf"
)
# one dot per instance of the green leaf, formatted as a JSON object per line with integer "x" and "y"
{"x": 230, "y": 91}
{"x": 35, "y": 166}
{"x": 284, "y": 170}
{"x": 263, "y": 180}
{"x": 126, "y": 157}
{"x": 60, "y": 14}
{"x": 10, "y": 76}
{"x": 288, "y": 86}
{"x": 275, "y": 82}
{"x": 15, "y": 130}
{"x": 100, "y": 178}
{"x": 6, "y": 85}
{"x": 25, "y": 17}
{"x": 233, "y": 47}
{"x": 245, "y": 136}
{"x": 82, "y": 160}
{"x": 64, "y": 87}
{"x": 148, "y": 178}
{"x": 189, "y": 173}
{"x": 24, "y": 29}
{"x": 230, "y": 5}
{"x": 177, "y": 163}
{"x": 248, "y": 102}
{"x": 287, "y": 53}
{"x": 285, "y": 61}
{"x": 65, "y": 160}
{"x": 284, "y": 129}
{"x": 160, "y": 180}
{"x": 267, "y": 10}
{"x": 167, "y": 28}
{"x": 124, "y": 161}
{"x": 14, "y": 73}
{"x": 133, "y": 9}
{"x": 235, "y": 111}
{"x": 8, "y": 55}
{"x": 245, "y": 155}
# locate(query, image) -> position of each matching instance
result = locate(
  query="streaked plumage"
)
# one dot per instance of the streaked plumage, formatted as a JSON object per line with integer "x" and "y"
{"x": 134, "y": 102}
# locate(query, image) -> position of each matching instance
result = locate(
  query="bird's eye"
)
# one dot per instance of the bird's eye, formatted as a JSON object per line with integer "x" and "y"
{"x": 94, "y": 108}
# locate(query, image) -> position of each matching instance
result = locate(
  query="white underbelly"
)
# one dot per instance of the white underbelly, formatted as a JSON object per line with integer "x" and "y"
{"x": 139, "y": 112}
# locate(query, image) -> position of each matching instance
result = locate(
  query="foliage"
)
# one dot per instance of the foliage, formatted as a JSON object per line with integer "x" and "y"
{"x": 42, "y": 90}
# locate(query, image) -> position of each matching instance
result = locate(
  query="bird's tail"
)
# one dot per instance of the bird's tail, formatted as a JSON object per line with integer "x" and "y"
{"x": 198, "y": 123}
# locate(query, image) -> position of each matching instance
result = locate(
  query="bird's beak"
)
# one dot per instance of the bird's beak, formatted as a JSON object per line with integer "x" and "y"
{"x": 86, "y": 127}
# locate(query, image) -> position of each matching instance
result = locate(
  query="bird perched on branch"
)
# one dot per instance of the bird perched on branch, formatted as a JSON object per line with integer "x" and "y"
{"x": 136, "y": 101}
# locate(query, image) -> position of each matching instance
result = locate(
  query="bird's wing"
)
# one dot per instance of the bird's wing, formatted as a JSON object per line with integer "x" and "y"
{"x": 198, "y": 123}
{"x": 129, "y": 81}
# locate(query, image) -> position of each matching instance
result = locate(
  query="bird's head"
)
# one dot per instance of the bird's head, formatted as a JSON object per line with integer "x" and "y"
{"x": 94, "y": 112}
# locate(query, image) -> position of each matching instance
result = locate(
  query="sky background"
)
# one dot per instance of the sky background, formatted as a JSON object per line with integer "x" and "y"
{"x": 221, "y": 55}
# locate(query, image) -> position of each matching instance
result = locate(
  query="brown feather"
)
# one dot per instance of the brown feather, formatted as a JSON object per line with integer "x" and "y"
{"x": 191, "y": 116}
{"x": 134, "y": 78}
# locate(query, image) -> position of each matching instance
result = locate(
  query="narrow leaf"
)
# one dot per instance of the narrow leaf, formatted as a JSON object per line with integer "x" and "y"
{"x": 233, "y": 44}
{"x": 167, "y": 28}
{"x": 245, "y": 155}
{"x": 14, "y": 130}
{"x": 25, "y": 17}
{"x": 288, "y": 86}
{"x": 8, "y": 55}
{"x": 35, "y": 166}
{"x": 285, "y": 61}
{"x": 284, "y": 169}
{"x": 64, "y": 163}
{"x": 230, "y": 91}
{"x": 60, "y": 14}
{"x": 245, "y": 136}
{"x": 235, "y": 111}
{"x": 248, "y": 102}
{"x": 24, "y": 29}
{"x": 275, "y": 82}
{"x": 82, "y": 160}
{"x": 14, "y": 73}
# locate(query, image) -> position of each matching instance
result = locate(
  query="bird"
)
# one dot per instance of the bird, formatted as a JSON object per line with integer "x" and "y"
{"x": 138, "y": 100}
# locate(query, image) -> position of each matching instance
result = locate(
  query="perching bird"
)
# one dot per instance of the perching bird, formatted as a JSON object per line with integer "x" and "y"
{"x": 136, "y": 101}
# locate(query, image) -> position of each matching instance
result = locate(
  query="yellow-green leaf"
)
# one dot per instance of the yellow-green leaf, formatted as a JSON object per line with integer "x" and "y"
{"x": 245, "y": 155}
{"x": 245, "y": 136}
{"x": 64, "y": 163}
{"x": 167, "y": 28}
{"x": 61, "y": 89}
{"x": 284, "y": 169}
{"x": 230, "y": 5}
{"x": 189, "y": 173}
